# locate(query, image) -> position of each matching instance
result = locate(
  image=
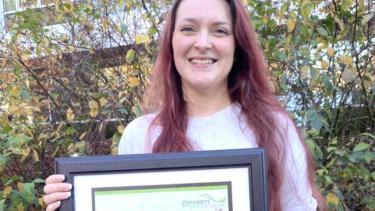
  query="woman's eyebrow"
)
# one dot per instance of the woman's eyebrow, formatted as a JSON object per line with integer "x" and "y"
{"x": 215, "y": 23}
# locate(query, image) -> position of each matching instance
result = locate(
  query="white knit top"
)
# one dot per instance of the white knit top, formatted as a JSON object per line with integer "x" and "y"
{"x": 227, "y": 130}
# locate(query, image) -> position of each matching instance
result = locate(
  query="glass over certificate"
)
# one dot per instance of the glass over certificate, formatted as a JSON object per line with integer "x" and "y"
{"x": 196, "y": 196}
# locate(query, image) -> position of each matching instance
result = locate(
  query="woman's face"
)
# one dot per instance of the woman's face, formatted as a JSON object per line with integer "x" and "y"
{"x": 203, "y": 44}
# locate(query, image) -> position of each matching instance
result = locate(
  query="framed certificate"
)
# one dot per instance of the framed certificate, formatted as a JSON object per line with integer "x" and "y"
{"x": 218, "y": 180}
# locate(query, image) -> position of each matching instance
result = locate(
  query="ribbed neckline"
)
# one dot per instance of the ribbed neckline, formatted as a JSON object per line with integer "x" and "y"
{"x": 207, "y": 120}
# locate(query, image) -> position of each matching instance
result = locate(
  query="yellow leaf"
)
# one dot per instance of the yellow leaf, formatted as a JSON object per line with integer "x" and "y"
{"x": 80, "y": 145}
{"x": 339, "y": 22}
{"x": 347, "y": 60}
{"x": 40, "y": 201}
{"x": 70, "y": 114}
{"x": 83, "y": 135}
{"x": 332, "y": 198}
{"x": 324, "y": 64}
{"x": 114, "y": 151}
{"x": 71, "y": 148}
{"x": 14, "y": 110}
{"x": 68, "y": 7}
{"x": 138, "y": 39}
{"x": 35, "y": 155}
{"x": 146, "y": 39}
{"x": 331, "y": 52}
{"x": 367, "y": 18}
{"x": 120, "y": 128}
{"x": 14, "y": 91}
{"x": 20, "y": 207}
{"x": 25, "y": 152}
{"x": 20, "y": 186}
{"x": 291, "y": 24}
{"x": 6, "y": 192}
{"x": 133, "y": 82}
{"x": 94, "y": 108}
{"x": 103, "y": 101}
{"x": 130, "y": 55}
{"x": 305, "y": 70}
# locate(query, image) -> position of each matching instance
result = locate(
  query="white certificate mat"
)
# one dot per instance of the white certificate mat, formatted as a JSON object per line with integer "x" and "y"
{"x": 188, "y": 190}
{"x": 197, "y": 196}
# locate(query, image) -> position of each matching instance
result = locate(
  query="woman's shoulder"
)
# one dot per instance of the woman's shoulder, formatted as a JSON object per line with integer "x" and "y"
{"x": 134, "y": 137}
{"x": 140, "y": 122}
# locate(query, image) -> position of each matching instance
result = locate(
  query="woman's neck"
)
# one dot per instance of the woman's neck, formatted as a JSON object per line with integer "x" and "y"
{"x": 200, "y": 104}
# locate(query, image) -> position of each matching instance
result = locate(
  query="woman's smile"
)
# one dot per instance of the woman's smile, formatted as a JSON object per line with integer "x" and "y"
{"x": 203, "y": 44}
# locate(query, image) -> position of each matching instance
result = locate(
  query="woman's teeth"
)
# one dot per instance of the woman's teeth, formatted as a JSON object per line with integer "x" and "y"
{"x": 202, "y": 61}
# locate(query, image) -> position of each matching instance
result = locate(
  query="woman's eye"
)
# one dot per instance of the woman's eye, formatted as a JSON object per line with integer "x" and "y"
{"x": 187, "y": 29}
{"x": 221, "y": 31}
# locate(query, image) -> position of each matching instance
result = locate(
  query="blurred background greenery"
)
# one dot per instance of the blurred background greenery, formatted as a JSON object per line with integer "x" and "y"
{"x": 72, "y": 74}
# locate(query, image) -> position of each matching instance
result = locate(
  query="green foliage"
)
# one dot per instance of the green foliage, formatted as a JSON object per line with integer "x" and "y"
{"x": 70, "y": 89}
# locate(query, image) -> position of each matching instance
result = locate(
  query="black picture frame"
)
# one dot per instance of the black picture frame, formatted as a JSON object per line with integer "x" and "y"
{"x": 252, "y": 160}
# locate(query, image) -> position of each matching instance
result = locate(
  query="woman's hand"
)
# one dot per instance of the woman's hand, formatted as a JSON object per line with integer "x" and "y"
{"x": 56, "y": 191}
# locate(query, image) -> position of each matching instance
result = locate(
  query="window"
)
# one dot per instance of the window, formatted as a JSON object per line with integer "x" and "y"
{"x": 8, "y": 8}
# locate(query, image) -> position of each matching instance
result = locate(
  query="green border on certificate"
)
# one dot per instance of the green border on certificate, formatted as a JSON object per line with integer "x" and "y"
{"x": 216, "y": 196}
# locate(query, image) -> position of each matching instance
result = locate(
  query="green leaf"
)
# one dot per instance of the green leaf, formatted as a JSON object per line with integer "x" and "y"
{"x": 28, "y": 191}
{"x": 356, "y": 156}
{"x": 124, "y": 28}
{"x": 330, "y": 149}
{"x": 310, "y": 144}
{"x": 327, "y": 83}
{"x": 361, "y": 147}
{"x": 370, "y": 201}
{"x": 369, "y": 135}
{"x": 39, "y": 180}
{"x": 2, "y": 205}
{"x": 345, "y": 4}
{"x": 306, "y": 9}
{"x": 318, "y": 153}
{"x": 18, "y": 140}
{"x": 130, "y": 56}
{"x": 322, "y": 31}
{"x": 17, "y": 68}
{"x": 7, "y": 128}
{"x": 152, "y": 31}
{"x": 70, "y": 130}
{"x": 315, "y": 119}
{"x": 369, "y": 156}
{"x": 116, "y": 138}
{"x": 3, "y": 161}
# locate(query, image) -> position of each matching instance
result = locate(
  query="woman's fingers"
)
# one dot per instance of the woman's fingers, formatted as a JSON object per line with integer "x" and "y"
{"x": 53, "y": 206}
{"x": 52, "y": 198}
{"x": 57, "y": 187}
{"x": 56, "y": 178}
{"x": 56, "y": 191}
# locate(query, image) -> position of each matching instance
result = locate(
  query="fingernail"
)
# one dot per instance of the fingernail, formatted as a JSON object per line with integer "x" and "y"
{"x": 69, "y": 186}
{"x": 67, "y": 195}
{"x": 61, "y": 176}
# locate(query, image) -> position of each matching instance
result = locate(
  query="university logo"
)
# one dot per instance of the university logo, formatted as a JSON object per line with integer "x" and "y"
{"x": 205, "y": 201}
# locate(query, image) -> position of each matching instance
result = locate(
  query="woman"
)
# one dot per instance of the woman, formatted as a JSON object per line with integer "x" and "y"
{"x": 209, "y": 90}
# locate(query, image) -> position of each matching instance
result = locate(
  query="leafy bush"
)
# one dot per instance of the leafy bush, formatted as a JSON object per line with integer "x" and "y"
{"x": 70, "y": 89}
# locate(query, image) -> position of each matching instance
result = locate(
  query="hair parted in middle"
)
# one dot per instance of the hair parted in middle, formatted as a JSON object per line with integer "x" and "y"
{"x": 249, "y": 87}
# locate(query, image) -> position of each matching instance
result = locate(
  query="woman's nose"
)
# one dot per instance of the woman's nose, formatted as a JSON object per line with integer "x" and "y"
{"x": 203, "y": 41}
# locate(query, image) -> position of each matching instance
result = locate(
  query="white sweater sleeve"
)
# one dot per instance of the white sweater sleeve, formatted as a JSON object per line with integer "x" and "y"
{"x": 296, "y": 193}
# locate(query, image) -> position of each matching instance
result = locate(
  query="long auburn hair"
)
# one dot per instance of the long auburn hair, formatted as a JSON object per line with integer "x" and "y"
{"x": 248, "y": 86}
